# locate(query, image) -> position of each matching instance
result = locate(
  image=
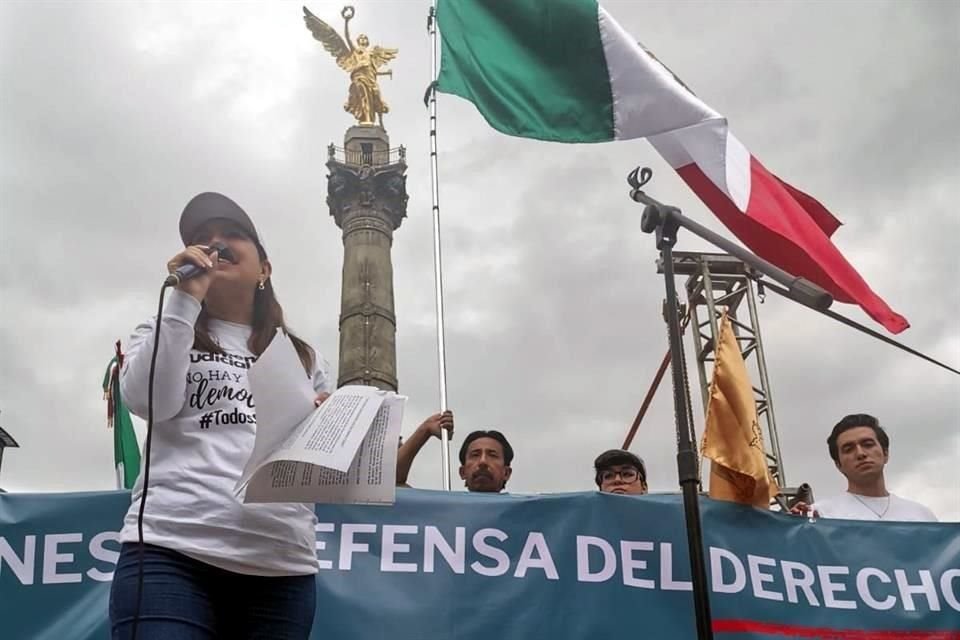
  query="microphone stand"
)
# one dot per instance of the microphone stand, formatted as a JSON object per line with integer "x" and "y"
{"x": 665, "y": 221}
{"x": 657, "y": 215}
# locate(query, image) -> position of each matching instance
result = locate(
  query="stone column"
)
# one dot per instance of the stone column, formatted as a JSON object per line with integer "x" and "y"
{"x": 367, "y": 196}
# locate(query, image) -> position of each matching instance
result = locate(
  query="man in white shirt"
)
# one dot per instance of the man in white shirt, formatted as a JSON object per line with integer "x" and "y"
{"x": 861, "y": 449}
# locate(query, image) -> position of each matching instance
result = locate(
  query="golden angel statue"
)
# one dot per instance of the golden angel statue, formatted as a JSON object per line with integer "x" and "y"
{"x": 362, "y": 61}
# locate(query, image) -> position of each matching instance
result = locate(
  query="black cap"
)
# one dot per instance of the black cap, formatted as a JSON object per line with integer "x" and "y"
{"x": 495, "y": 435}
{"x": 208, "y": 206}
{"x": 614, "y": 457}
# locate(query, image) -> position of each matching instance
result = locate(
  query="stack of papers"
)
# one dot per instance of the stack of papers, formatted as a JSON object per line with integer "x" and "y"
{"x": 344, "y": 451}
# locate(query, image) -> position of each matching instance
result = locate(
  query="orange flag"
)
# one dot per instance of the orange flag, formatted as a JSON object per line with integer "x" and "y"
{"x": 732, "y": 438}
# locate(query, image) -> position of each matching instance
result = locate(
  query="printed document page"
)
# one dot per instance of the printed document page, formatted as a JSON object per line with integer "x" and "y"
{"x": 338, "y": 452}
{"x": 370, "y": 479}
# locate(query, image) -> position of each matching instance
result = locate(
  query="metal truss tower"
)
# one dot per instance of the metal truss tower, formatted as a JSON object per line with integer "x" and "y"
{"x": 717, "y": 283}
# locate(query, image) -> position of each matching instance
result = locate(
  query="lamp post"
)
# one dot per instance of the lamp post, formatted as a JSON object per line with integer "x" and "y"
{"x": 6, "y": 440}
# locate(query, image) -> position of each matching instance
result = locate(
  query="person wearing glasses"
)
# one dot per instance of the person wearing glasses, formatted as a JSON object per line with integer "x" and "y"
{"x": 619, "y": 471}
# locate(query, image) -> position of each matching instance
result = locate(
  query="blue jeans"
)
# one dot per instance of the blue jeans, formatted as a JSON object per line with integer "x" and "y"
{"x": 185, "y": 599}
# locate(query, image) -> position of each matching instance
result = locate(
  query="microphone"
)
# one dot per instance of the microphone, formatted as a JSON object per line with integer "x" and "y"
{"x": 190, "y": 270}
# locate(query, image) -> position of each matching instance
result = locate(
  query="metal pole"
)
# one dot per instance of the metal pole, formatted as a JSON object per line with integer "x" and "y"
{"x": 765, "y": 385}
{"x": 652, "y": 391}
{"x": 646, "y": 401}
{"x": 687, "y": 463}
{"x": 664, "y": 220}
{"x": 437, "y": 261}
{"x": 706, "y": 284}
{"x": 711, "y": 311}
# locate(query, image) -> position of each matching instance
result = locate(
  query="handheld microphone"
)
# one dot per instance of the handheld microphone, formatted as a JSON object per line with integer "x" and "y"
{"x": 187, "y": 271}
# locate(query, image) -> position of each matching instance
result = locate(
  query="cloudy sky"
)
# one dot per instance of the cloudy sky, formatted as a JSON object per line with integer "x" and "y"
{"x": 114, "y": 114}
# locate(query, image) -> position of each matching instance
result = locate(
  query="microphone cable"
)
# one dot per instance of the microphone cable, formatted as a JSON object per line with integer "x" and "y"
{"x": 146, "y": 462}
{"x": 222, "y": 251}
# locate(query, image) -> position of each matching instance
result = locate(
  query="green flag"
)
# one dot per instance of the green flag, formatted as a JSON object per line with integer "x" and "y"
{"x": 560, "y": 70}
{"x": 126, "y": 451}
{"x": 534, "y": 69}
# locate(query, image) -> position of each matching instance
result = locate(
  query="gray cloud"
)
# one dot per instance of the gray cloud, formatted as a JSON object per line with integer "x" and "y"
{"x": 114, "y": 115}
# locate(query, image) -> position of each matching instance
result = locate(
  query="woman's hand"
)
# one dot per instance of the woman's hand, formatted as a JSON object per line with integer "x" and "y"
{"x": 323, "y": 395}
{"x": 195, "y": 254}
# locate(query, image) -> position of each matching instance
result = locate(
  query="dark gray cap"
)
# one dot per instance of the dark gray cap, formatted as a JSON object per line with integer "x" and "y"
{"x": 208, "y": 206}
{"x": 615, "y": 457}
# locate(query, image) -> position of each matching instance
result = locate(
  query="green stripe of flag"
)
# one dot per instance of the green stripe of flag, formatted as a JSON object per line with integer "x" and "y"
{"x": 126, "y": 451}
{"x": 533, "y": 69}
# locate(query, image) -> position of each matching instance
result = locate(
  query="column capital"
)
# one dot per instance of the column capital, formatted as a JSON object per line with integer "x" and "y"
{"x": 367, "y": 191}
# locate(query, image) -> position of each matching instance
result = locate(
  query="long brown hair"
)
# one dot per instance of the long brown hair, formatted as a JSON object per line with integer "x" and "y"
{"x": 267, "y": 318}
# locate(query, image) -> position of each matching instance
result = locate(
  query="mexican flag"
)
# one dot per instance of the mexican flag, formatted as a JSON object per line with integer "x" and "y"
{"x": 565, "y": 71}
{"x": 126, "y": 451}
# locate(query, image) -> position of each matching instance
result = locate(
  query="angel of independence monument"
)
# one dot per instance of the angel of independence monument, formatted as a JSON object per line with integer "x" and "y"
{"x": 367, "y": 196}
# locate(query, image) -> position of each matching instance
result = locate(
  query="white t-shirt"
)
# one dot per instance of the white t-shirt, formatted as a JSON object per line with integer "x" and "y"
{"x": 203, "y": 433}
{"x": 850, "y": 506}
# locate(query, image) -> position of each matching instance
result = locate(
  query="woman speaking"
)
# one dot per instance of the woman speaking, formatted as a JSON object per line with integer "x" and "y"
{"x": 213, "y": 567}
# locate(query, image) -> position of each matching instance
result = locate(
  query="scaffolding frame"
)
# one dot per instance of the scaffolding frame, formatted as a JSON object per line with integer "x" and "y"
{"x": 718, "y": 283}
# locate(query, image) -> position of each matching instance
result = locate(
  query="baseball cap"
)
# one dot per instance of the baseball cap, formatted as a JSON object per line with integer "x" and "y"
{"x": 208, "y": 206}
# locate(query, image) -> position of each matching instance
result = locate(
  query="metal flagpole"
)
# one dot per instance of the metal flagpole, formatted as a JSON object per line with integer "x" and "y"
{"x": 437, "y": 262}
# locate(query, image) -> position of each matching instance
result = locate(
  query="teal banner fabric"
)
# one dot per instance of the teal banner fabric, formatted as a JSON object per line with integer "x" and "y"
{"x": 578, "y": 565}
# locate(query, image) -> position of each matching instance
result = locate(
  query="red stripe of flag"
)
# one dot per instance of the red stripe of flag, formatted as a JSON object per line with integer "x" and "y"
{"x": 824, "y": 633}
{"x": 821, "y": 216}
{"x": 791, "y": 229}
